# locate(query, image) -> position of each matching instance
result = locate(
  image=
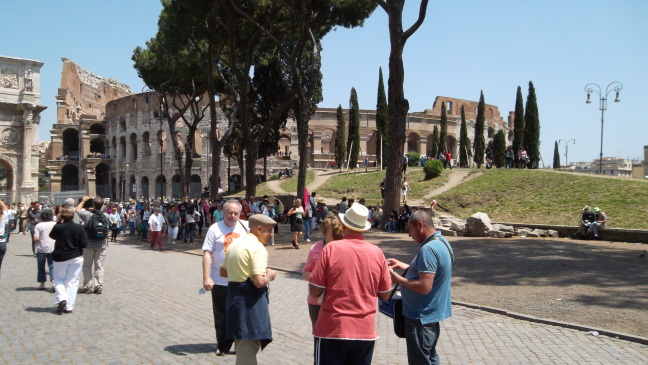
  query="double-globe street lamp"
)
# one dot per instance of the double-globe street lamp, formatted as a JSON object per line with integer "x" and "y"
{"x": 566, "y": 148}
{"x": 603, "y": 98}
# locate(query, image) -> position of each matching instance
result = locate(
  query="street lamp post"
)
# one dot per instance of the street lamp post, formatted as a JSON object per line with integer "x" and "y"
{"x": 567, "y": 148}
{"x": 603, "y": 98}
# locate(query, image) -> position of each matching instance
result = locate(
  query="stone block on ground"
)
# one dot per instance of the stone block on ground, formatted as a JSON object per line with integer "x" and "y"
{"x": 522, "y": 232}
{"x": 458, "y": 226}
{"x": 500, "y": 234}
{"x": 479, "y": 224}
{"x": 448, "y": 233}
{"x": 552, "y": 233}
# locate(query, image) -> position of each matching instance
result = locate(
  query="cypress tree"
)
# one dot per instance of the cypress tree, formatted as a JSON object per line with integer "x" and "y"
{"x": 518, "y": 125}
{"x": 353, "y": 140}
{"x": 464, "y": 142}
{"x": 556, "y": 161}
{"x": 480, "y": 143}
{"x": 444, "y": 129}
{"x": 340, "y": 138}
{"x": 434, "y": 149}
{"x": 532, "y": 129}
{"x": 499, "y": 149}
{"x": 381, "y": 119}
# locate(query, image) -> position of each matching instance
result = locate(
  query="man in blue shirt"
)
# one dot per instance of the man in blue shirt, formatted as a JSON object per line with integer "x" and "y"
{"x": 425, "y": 289}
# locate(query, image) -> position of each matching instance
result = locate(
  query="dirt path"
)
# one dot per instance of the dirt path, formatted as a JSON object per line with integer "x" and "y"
{"x": 457, "y": 176}
{"x": 275, "y": 185}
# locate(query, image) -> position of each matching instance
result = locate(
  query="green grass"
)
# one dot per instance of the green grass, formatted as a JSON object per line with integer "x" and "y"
{"x": 543, "y": 197}
{"x": 290, "y": 185}
{"x": 360, "y": 184}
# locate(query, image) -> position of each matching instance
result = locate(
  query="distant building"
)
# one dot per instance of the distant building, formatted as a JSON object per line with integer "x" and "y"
{"x": 20, "y": 108}
{"x": 611, "y": 166}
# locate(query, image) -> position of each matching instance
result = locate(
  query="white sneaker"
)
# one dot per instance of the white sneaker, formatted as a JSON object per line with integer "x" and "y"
{"x": 307, "y": 240}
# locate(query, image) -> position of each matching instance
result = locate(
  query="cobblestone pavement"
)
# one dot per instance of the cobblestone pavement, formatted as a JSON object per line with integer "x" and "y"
{"x": 150, "y": 313}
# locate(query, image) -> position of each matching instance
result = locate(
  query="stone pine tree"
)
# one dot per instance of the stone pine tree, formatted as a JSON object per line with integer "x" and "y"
{"x": 434, "y": 148}
{"x": 340, "y": 138}
{"x": 532, "y": 129}
{"x": 353, "y": 139}
{"x": 499, "y": 149}
{"x": 382, "y": 118}
{"x": 556, "y": 160}
{"x": 518, "y": 125}
{"x": 397, "y": 104}
{"x": 480, "y": 143}
{"x": 464, "y": 142}
{"x": 444, "y": 129}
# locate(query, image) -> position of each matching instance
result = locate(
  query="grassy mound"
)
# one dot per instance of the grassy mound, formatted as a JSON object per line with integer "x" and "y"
{"x": 544, "y": 197}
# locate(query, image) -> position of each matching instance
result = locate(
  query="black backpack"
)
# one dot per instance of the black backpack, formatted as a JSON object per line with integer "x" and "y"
{"x": 97, "y": 226}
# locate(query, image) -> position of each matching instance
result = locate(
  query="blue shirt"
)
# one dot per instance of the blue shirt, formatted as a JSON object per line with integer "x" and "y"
{"x": 435, "y": 258}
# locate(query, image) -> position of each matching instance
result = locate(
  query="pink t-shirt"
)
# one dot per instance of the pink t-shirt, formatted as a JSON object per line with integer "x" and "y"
{"x": 353, "y": 272}
{"x": 313, "y": 257}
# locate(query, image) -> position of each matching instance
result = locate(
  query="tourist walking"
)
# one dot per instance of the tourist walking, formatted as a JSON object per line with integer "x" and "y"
{"x": 70, "y": 240}
{"x": 406, "y": 189}
{"x": 156, "y": 225}
{"x": 4, "y": 225}
{"x": 353, "y": 272}
{"x": 44, "y": 248}
{"x": 115, "y": 223}
{"x": 95, "y": 252}
{"x": 296, "y": 214}
{"x": 172, "y": 221}
{"x": 425, "y": 289}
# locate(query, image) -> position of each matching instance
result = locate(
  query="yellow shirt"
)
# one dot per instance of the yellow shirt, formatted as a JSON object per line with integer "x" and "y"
{"x": 245, "y": 258}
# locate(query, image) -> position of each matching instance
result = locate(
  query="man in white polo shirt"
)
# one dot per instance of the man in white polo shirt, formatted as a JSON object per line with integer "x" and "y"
{"x": 217, "y": 240}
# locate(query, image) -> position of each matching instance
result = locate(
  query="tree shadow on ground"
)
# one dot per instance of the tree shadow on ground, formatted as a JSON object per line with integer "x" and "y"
{"x": 191, "y": 348}
{"x": 611, "y": 275}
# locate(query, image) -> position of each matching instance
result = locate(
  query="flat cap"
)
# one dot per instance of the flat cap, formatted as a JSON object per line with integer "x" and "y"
{"x": 260, "y": 220}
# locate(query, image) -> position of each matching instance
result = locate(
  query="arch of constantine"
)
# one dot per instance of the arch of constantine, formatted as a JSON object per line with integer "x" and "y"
{"x": 111, "y": 142}
{"x": 20, "y": 108}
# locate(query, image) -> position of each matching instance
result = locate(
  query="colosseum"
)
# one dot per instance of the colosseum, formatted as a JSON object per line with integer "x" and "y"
{"x": 111, "y": 142}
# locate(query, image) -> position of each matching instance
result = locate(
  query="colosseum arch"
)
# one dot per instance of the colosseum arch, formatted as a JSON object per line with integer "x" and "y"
{"x": 71, "y": 142}
{"x": 284, "y": 141}
{"x": 413, "y": 142}
{"x": 176, "y": 187}
{"x": 430, "y": 142}
{"x": 97, "y": 128}
{"x": 69, "y": 178}
{"x": 6, "y": 176}
{"x": 122, "y": 147}
{"x": 145, "y": 187}
{"x": 198, "y": 141}
{"x": 160, "y": 186}
{"x": 133, "y": 145}
{"x": 195, "y": 186}
{"x": 162, "y": 141}
{"x": 452, "y": 145}
{"x": 328, "y": 141}
{"x": 371, "y": 144}
{"x": 113, "y": 189}
{"x": 146, "y": 141}
{"x": 180, "y": 139}
{"x": 491, "y": 132}
{"x": 97, "y": 145}
{"x": 132, "y": 187}
{"x": 102, "y": 173}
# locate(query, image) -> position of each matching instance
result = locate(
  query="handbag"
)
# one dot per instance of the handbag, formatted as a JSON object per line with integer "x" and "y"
{"x": 393, "y": 308}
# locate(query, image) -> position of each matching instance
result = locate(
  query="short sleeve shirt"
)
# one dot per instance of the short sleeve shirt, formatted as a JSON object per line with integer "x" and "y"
{"x": 435, "y": 306}
{"x": 45, "y": 243}
{"x": 313, "y": 256}
{"x": 352, "y": 271}
{"x": 245, "y": 258}
{"x": 217, "y": 241}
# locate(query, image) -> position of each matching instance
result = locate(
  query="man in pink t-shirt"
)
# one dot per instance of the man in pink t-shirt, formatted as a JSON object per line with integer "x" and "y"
{"x": 352, "y": 272}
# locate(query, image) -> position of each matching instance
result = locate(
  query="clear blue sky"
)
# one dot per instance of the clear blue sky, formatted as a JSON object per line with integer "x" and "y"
{"x": 463, "y": 47}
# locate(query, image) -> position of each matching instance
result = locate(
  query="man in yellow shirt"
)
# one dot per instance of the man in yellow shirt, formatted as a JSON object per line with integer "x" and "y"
{"x": 246, "y": 268}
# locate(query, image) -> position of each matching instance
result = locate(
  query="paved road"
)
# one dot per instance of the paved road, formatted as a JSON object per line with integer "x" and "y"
{"x": 150, "y": 312}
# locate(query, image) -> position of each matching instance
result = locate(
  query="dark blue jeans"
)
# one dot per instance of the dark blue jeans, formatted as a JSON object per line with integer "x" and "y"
{"x": 41, "y": 277}
{"x": 3, "y": 250}
{"x": 421, "y": 342}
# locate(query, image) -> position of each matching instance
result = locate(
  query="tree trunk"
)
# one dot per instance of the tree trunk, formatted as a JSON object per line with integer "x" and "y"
{"x": 191, "y": 136}
{"x": 398, "y": 107}
{"x": 250, "y": 174}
